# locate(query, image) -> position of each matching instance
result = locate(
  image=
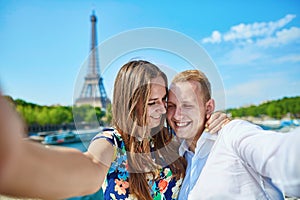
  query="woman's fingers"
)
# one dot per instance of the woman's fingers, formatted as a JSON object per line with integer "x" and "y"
{"x": 216, "y": 121}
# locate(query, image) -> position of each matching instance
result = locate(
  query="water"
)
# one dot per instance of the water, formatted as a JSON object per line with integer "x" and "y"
{"x": 283, "y": 125}
{"x": 82, "y": 146}
{"x": 78, "y": 145}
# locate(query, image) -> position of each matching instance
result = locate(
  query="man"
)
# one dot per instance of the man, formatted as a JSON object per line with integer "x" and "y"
{"x": 241, "y": 162}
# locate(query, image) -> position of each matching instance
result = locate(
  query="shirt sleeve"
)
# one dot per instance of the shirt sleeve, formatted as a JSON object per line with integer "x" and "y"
{"x": 271, "y": 154}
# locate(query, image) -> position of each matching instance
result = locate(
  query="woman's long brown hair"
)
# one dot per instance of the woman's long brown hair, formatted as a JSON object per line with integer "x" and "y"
{"x": 132, "y": 89}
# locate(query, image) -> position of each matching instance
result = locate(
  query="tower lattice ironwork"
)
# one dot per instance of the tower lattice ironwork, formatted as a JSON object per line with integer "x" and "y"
{"x": 93, "y": 91}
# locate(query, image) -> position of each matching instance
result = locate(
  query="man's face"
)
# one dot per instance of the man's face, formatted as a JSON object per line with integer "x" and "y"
{"x": 186, "y": 110}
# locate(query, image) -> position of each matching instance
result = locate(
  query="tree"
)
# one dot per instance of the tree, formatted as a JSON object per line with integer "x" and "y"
{"x": 108, "y": 115}
{"x": 276, "y": 109}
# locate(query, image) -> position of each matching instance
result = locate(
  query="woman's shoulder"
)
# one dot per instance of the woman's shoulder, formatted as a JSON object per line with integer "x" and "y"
{"x": 111, "y": 135}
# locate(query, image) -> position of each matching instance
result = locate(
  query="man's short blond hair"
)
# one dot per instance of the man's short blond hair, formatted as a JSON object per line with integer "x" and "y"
{"x": 198, "y": 76}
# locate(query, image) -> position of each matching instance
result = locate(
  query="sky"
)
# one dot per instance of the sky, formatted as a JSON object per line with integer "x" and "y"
{"x": 253, "y": 44}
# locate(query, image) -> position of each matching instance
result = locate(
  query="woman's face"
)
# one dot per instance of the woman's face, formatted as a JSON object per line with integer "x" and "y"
{"x": 156, "y": 106}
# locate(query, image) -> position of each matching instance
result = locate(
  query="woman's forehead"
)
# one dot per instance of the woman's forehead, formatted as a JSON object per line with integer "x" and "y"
{"x": 158, "y": 81}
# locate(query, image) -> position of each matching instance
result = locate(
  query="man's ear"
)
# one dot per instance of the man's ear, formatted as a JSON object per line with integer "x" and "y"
{"x": 210, "y": 107}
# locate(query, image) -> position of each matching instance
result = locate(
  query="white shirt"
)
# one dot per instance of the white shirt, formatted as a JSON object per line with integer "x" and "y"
{"x": 243, "y": 160}
{"x": 195, "y": 161}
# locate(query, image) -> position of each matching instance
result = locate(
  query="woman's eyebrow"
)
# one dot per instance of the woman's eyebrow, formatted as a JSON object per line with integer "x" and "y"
{"x": 156, "y": 98}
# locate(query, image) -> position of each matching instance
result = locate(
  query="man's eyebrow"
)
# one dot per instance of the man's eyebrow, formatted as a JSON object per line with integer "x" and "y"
{"x": 181, "y": 102}
{"x": 186, "y": 102}
{"x": 170, "y": 102}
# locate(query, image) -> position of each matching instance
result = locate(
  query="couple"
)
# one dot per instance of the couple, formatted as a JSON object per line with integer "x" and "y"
{"x": 138, "y": 159}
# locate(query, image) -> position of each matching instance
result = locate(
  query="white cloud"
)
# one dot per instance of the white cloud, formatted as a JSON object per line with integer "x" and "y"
{"x": 282, "y": 37}
{"x": 251, "y": 92}
{"x": 274, "y": 86}
{"x": 215, "y": 38}
{"x": 251, "y": 89}
{"x": 240, "y": 56}
{"x": 267, "y": 52}
{"x": 264, "y": 33}
{"x": 293, "y": 58}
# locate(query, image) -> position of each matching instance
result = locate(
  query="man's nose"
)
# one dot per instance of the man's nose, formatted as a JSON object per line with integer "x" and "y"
{"x": 177, "y": 113}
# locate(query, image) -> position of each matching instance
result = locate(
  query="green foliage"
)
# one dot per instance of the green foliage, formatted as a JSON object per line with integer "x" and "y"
{"x": 108, "y": 115}
{"x": 55, "y": 115}
{"x": 36, "y": 114}
{"x": 87, "y": 113}
{"x": 275, "y": 109}
{"x": 60, "y": 115}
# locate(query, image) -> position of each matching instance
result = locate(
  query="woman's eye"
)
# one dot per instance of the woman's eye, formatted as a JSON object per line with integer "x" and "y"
{"x": 151, "y": 103}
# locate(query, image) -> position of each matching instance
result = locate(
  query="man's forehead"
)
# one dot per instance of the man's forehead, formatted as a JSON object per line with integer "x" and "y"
{"x": 186, "y": 90}
{"x": 183, "y": 85}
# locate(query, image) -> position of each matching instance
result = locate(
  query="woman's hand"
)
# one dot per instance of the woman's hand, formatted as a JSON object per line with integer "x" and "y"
{"x": 31, "y": 170}
{"x": 216, "y": 122}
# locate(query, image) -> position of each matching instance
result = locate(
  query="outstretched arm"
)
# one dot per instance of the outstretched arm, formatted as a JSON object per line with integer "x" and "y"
{"x": 271, "y": 154}
{"x": 31, "y": 170}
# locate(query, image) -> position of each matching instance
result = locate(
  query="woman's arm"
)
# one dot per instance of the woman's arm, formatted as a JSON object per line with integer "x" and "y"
{"x": 51, "y": 173}
{"x": 31, "y": 170}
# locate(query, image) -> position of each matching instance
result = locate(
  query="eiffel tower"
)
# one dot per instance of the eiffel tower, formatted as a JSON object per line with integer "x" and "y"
{"x": 93, "y": 91}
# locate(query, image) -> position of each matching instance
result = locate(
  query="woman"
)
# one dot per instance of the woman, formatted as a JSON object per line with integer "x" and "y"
{"x": 137, "y": 159}
{"x": 138, "y": 117}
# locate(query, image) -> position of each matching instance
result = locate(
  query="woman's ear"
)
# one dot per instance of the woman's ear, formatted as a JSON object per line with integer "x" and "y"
{"x": 210, "y": 107}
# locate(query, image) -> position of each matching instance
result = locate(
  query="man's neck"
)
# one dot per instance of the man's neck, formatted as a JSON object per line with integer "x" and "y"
{"x": 193, "y": 143}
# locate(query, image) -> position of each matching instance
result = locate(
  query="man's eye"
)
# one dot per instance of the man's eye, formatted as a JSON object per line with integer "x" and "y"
{"x": 170, "y": 106}
{"x": 187, "y": 106}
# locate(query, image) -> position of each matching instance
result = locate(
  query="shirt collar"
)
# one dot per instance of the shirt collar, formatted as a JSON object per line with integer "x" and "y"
{"x": 203, "y": 146}
{"x": 183, "y": 147}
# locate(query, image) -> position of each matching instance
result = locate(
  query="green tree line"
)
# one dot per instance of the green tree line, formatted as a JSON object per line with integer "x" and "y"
{"x": 57, "y": 114}
{"x": 275, "y": 109}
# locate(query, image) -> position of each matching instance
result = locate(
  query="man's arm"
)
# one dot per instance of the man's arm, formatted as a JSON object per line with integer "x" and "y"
{"x": 271, "y": 154}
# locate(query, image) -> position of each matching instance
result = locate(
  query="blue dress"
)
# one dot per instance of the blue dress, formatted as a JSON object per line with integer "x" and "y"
{"x": 116, "y": 185}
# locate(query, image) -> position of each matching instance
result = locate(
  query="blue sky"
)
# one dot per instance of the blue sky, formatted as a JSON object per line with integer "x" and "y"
{"x": 254, "y": 44}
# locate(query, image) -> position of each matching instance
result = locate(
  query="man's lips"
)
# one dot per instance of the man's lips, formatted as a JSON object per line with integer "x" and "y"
{"x": 181, "y": 124}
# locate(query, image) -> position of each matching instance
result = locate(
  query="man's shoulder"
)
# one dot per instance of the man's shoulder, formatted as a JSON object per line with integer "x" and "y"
{"x": 237, "y": 130}
{"x": 239, "y": 124}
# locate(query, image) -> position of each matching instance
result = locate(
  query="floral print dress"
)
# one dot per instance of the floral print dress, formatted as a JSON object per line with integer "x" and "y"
{"x": 116, "y": 185}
